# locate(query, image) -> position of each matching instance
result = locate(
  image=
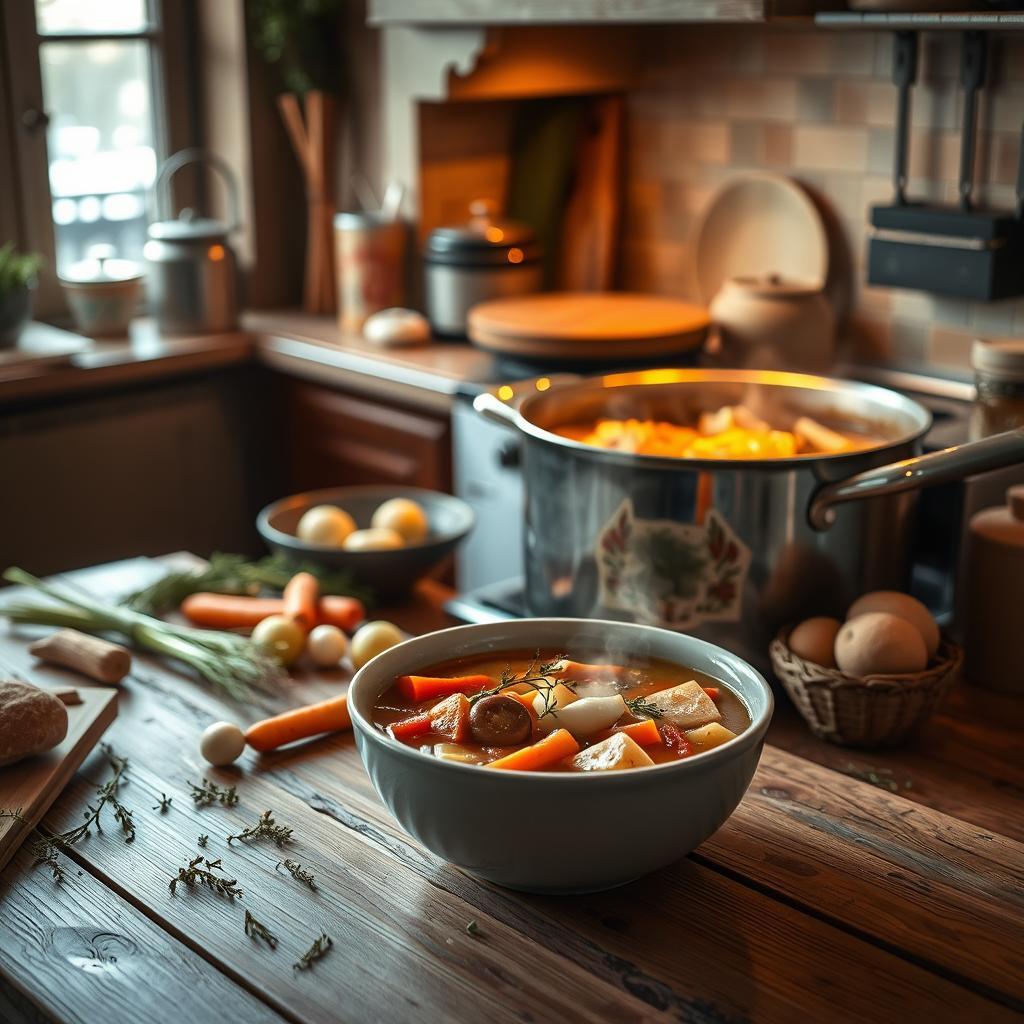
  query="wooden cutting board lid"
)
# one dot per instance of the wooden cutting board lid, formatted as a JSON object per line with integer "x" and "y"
{"x": 581, "y": 325}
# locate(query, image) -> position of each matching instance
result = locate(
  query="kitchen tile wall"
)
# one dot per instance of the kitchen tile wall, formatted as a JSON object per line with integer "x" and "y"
{"x": 817, "y": 105}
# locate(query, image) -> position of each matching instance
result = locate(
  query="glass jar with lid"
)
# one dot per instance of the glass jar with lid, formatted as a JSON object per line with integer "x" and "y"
{"x": 999, "y": 380}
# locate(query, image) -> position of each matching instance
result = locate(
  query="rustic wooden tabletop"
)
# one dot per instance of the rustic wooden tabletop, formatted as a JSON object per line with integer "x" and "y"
{"x": 825, "y": 897}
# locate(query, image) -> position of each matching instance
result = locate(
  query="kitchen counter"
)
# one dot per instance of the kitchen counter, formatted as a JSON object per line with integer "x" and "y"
{"x": 822, "y": 898}
{"x": 294, "y": 343}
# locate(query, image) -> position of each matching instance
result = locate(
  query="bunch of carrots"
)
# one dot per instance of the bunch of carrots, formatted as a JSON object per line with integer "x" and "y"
{"x": 303, "y": 604}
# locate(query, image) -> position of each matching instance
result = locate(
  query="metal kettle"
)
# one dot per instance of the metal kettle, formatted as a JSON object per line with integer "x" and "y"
{"x": 192, "y": 271}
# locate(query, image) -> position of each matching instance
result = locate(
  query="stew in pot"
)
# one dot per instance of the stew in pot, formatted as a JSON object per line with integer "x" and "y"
{"x": 549, "y": 712}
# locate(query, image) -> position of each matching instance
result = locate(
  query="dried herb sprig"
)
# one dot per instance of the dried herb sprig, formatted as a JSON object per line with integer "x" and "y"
{"x": 641, "y": 707}
{"x": 472, "y": 928}
{"x": 315, "y": 952}
{"x": 46, "y": 847}
{"x": 197, "y": 873}
{"x": 210, "y": 793}
{"x": 297, "y": 872}
{"x": 203, "y": 840}
{"x": 255, "y": 930}
{"x": 536, "y": 676}
{"x": 265, "y": 828}
{"x": 164, "y": 805}
{"x": 880, "y": 777}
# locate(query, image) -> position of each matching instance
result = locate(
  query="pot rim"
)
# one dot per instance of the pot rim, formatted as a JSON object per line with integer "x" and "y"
{"x": 879, "y": 397}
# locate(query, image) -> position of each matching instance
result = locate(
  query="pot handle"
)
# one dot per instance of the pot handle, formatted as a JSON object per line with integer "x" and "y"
{"x": 491, "y": 407}
{"x": 995, "y": 452}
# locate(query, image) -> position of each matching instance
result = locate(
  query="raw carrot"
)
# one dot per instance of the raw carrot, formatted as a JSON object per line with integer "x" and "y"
{"x": 711, "y": 691}
{"x": 298, "y": 724}
{"x": 230, "y": 611}
{"x": 344, "y": 612}
{"x": 645, "y": 733}
{"x": 407, "y": 728}
{"x": 301, "y": 594}
{"x": 417, "y": 688}
{"x": 542, "y": 754}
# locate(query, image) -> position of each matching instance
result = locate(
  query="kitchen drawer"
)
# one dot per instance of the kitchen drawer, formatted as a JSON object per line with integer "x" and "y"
{"x": 336, "y": 438}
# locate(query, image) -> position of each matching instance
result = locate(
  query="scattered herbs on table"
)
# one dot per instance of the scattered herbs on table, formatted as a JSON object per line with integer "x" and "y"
{"x": 535, "y": 676}
{"x": 202, "y": 841}
{"x": 472, "y": 928}
{"x": 641, "y": 707}
{"x": 235, "y": 574}
{"x": 297, "y": 872}
{"x": 197, "y": 873}
{"x": 210, "y": 793}
{"x": 255, "y": 930}
{"x": 165, "y": 804}
{"x": 881, "y": 777}
{"x": 315, "y": 952}
{"x": 226, "y": 660}
{"x": 265, "y": 828}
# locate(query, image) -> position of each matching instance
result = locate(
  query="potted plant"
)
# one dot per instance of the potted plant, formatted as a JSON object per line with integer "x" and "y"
{"x": 17, "y": 278}
{"x": 304, "y": 42}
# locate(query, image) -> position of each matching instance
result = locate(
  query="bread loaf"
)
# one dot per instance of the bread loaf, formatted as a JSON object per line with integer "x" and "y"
{"x": 31, "y": 721}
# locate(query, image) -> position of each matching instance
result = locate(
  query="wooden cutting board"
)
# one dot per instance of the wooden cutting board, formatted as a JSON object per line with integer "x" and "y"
{"x": 588, "y": 325}
{"x": 33, "y": 784}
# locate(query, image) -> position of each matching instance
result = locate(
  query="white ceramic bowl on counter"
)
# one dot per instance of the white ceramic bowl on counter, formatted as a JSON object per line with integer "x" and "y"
{"x": 559, "y": 832}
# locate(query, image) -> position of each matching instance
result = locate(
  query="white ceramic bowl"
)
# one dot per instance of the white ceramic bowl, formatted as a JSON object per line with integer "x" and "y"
{"x": 558, "y": 832}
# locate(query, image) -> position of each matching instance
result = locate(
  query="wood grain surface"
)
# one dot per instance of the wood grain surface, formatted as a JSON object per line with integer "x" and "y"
{"x": 823, "y": 898}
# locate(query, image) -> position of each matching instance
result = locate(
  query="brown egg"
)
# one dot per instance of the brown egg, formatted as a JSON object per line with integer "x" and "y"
{"x": 814, "y": 640}
{"x": 879, "y": 643}
{"x": 903, "y": 605}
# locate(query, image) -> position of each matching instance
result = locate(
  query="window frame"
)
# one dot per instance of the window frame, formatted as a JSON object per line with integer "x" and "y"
{"x": 26, "y": 209}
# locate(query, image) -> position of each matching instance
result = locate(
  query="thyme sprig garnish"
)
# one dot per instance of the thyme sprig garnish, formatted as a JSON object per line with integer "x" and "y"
{"x": 536, "y": 676}
{"x": 210, "y": 793}
{"x": 641, "y": 707}
{"x": 46, "y": 847}
{"x": 164, "y": 805}
{"x": 196, "y": 873}
{"x": 203, "y": 840}
{"x": 315, "y": 952}
{"x": 265, "y": 828}
{"x": 255, "y": 930}
{"x": 297, "y": 872}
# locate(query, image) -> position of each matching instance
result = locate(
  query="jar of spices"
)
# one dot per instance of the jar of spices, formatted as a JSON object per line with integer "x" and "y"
{"x": 995, "y": 596}
{"x": 999, "y": 380}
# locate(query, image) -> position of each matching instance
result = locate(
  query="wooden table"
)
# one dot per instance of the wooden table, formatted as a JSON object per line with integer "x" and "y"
{"x": 823, "y": 898}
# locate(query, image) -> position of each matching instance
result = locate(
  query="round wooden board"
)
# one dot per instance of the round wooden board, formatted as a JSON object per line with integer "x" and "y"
{"x": 588, "y": 325}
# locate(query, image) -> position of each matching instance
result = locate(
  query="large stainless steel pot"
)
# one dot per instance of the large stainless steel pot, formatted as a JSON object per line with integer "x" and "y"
{"x": 728, "y": 550}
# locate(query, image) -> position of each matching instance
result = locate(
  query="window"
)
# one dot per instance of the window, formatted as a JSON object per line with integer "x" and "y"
{"x": 90, "y": 104}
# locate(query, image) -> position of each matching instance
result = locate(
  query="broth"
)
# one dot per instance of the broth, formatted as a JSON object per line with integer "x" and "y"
{"x": 667, "y": 711}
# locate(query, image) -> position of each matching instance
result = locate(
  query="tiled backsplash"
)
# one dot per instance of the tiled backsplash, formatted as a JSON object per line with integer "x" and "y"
{"x": 819, "y": 106}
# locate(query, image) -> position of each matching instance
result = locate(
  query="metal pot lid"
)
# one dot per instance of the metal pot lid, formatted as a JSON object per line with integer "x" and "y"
{"x": 999, "y": 357}
{"x": 102, "y": 270}
{"x": 485, "y": 240}
{"x": 189, "y": 228}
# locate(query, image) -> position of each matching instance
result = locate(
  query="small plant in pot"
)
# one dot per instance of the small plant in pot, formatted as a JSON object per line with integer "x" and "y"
{"x": 17, "y": 278}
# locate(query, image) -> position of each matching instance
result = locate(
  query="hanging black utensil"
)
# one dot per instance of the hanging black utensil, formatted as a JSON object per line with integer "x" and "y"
{"x": 947, "y": 250}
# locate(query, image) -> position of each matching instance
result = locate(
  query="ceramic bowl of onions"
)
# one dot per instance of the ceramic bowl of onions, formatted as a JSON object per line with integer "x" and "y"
{"x": 386, "y": 537}
{"x": 873, "y": 679}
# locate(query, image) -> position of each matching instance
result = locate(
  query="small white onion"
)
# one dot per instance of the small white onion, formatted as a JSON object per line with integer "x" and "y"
{"x": 222, "y": 743}
{"x": 326, "y": 646}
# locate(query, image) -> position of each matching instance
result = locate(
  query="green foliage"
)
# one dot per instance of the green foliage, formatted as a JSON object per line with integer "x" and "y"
{"x": 302, "y": 39}
{"x": 17, "y": 270}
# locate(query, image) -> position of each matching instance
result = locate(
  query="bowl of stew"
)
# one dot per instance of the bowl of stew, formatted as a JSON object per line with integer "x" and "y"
{"x": 559, "y": 755}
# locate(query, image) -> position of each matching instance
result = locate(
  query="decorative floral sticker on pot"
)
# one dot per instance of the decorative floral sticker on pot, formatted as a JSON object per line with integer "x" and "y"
{"x": 671, "y": 574}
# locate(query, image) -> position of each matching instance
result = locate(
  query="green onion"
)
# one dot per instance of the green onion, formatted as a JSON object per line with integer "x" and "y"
{"x": 227, "y": 660}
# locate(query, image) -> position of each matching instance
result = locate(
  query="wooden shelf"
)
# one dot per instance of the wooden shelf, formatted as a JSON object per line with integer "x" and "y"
{"x": 563, "y": 12}
{"x": 950, "y": 21}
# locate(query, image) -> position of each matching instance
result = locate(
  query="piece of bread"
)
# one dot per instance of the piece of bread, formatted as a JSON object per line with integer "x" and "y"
{"x": 31, "y": 721}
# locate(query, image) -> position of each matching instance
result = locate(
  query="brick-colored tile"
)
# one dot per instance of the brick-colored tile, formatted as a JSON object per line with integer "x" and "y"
{"x": 777, "y": 145}
{"x": 840, "y": 149}
{"x": 797, "y": 53}
{"x": 950, "y": 349}
{"x": 814, "y": 100}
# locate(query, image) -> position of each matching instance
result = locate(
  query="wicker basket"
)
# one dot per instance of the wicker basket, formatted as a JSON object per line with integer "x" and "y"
{"x": 876, "y": 711}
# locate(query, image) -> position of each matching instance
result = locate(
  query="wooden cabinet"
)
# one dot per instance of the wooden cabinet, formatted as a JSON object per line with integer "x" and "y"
{"x": 336, "y": 438}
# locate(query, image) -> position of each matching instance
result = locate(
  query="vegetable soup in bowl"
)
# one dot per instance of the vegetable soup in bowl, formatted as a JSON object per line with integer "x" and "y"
{"x": 559, "y": 755}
